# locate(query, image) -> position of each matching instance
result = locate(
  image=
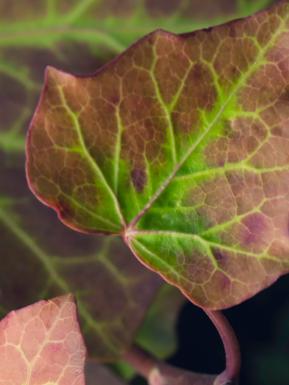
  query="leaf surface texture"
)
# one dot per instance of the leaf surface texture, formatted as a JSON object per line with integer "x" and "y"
{"x": 181, "y": 145}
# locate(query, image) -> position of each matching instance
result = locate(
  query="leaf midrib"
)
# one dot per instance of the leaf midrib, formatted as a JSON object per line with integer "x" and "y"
{"x": 252, "y": 69}
{"x": 201, "y": 240}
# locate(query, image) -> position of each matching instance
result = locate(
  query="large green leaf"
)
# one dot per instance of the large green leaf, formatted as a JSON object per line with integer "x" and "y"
{"x": 35, "y": 250}
{"x": 179, "y": 145}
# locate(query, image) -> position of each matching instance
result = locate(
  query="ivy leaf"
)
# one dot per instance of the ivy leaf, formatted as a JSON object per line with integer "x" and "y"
{"x": 179, "y": 145}
{"x": 42, "y": 344}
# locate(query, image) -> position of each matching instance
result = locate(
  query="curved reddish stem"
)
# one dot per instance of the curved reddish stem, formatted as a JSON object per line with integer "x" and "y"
{"x": 144, "y": 363}
{"x": 231, "y": 347}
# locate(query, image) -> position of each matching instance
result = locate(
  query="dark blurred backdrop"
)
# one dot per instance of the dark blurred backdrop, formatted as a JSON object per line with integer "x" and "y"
{"x": 79, "y": 36}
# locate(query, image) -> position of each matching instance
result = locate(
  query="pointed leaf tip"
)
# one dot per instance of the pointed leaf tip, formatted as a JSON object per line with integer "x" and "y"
{"x": 51, "y": 72}
{"x": 181, "y": 144}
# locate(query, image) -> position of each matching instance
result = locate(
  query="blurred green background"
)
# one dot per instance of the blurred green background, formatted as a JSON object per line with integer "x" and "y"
{"x": 80, "y": 36}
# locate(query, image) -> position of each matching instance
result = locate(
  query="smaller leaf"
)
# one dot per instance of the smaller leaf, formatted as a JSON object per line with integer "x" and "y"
{"x": 41, "y": 344}
{"x": 168, "y": 375}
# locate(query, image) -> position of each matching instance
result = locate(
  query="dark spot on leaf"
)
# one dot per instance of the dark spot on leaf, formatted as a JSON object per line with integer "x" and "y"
{"x": 139, "y": 178}
{"x": 198, "y": 70}
{"x": 219, "y": 256}
{"x": 232, "y": 30}
{"x": 227, "y": 127}
{"x": 115, "y": 99}
{"x": 234, "y": 71}
{"x": 256, "y": 229}
{"x": 285, "y": 94}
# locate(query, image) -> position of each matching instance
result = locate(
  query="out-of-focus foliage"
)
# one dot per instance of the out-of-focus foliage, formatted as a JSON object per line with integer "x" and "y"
{"x": 155, "y": 335}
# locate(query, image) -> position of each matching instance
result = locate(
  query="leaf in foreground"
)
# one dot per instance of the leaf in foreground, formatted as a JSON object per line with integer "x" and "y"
{"x": 42, "y": 344}
{"x": 181, "y": 146}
